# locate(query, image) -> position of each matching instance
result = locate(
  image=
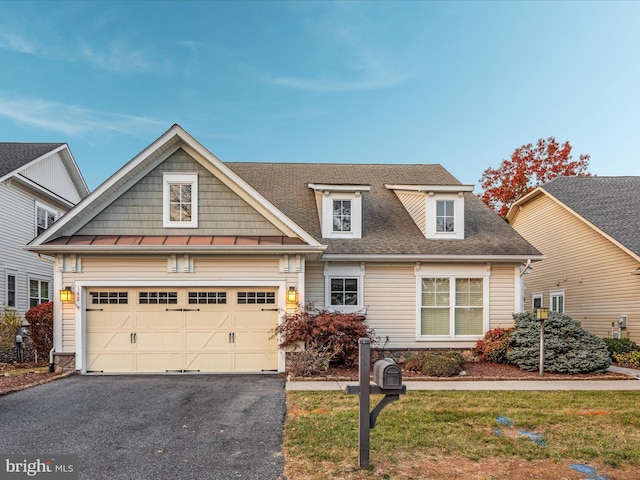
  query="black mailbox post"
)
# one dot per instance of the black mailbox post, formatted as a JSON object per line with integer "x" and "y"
{"x": 388, "y": 378}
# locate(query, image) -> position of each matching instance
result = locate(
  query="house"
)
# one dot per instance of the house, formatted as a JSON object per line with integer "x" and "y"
{"x": 181, "y": 262}
{"x": 39, "y": 182}
{"x": 587, "y": 228}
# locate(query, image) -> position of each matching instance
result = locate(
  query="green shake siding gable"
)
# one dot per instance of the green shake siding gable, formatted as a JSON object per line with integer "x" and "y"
{"x": 139, "y": 210}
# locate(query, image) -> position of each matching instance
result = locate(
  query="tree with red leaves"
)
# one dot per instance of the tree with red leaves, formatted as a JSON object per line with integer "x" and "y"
{"x": 528, "y": 167}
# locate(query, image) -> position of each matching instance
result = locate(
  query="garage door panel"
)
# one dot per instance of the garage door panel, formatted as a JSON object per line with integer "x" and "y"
{"x": 203, "y": 362}
{"x": 255, "y": 341}
{"x": 158, "y": 362}
{"x": 109, "y": 320}
{"x": 207, "y": 341}
{"x": 117, "y": 362}
{"x": 158, "y": 319}
{"x": 160, "y": 341}
{"x": 109, "y": 341}
{"x": 208, "y": 319}
{"x": 247, "y": 362}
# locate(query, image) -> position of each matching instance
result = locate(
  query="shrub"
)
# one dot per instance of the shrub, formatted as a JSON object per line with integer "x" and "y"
{"x": 628, "y": 359}
{"x": 620, "y": 345}
{"x": 495, "y": 345}
{"x": 441, "y": 364}
{"x": 329, "y": 338}
{"x": 40, "y": 320}
{"x": 568, "y": 348}
{"x": 10, "y": 323}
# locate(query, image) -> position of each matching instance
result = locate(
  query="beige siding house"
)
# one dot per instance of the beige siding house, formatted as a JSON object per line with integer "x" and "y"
{"x": 587, "y": 229}
{"x": 39, "y": 182}
{"x": 182, "y": 262}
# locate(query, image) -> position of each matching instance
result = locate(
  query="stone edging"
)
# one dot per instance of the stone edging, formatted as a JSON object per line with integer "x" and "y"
{"x": 330, "y": 378}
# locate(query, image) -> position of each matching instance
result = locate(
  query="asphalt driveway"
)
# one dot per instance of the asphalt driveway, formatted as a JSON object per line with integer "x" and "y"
{"x": 153, "y": 427}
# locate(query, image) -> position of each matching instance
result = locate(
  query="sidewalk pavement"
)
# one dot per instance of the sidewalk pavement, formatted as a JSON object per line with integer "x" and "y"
{"x": 488, "y": 385}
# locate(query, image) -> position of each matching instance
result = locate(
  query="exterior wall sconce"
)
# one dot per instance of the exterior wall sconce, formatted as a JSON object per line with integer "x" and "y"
{"x": 66, "y": 295}
{"x": 292, "y": 295}
{"x": 542, "y": 314}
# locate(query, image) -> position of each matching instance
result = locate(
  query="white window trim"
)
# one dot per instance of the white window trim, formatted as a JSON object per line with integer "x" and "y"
{"x": 557, "y": 294}
{"x": 48, "y": 208}
{"x": 327, "y": 214}
{"x": 7, "y": 273}
{"x": 430, "y": 215}
{"x": 38, "y": 278}
{"x": 537, "y": 296}
{"x": 434, "y": 271}
{"x": 344, "y": 271}
{"x": 183, "y": 178}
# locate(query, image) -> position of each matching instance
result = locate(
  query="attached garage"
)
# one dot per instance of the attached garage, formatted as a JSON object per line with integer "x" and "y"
{"x": 163, "y": 329}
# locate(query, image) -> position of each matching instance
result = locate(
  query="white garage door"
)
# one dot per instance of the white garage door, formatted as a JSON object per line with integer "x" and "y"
{"x": 181, "y": 330}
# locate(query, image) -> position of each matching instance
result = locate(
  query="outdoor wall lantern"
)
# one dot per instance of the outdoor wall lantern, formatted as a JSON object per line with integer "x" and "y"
{"x": 292, "y": 295}
{"x": 542, "y": 314}
{"x": 66, "y": 295}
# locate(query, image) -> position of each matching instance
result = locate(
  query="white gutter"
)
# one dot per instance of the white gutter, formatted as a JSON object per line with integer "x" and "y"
{"x": 430, "y": 258}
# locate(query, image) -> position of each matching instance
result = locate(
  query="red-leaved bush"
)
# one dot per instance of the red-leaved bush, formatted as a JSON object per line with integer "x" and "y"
{"x": 328, "y": 338}
{"x": 40, "y": 320}
{"x": 495, "y": 345}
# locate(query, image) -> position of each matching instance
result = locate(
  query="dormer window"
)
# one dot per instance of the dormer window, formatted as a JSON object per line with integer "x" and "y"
{"x": 438, "y": 210}
{"x": 340, "y": 209}
{"x": 445, "y": 217}
{"x": 180, "y": 200}
{"x": 342, "y": 215}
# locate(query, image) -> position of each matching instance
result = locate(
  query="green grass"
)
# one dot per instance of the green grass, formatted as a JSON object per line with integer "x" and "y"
{"x": 321, "y": 431}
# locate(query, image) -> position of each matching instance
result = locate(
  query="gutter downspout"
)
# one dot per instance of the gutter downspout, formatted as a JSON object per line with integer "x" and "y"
{"x": 51, "y": 366}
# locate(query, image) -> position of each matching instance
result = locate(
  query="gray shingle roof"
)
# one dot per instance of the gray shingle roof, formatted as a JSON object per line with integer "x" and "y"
{"x": 14, "y": 155}
{"x": 388, "y": 229}
{"x": 610, "y": 203}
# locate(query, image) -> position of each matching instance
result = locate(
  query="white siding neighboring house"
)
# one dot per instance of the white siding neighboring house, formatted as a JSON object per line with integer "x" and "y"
{"x": 39, "y": 182}
{"x": 182, "y": 262}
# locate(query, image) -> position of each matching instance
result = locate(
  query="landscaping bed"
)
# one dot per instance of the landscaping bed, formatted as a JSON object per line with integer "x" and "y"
{"x": 472, "y": 371}
{"x": 18, "y": 376}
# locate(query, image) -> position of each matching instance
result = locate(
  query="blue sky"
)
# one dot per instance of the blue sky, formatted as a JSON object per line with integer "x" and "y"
{"x": 457, "y": 83}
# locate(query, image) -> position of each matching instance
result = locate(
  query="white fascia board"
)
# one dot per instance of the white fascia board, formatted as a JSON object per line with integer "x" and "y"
{"x": 431, "y": 188}
{"x": 326, "y": 187}
{"x": 432, "y": 258}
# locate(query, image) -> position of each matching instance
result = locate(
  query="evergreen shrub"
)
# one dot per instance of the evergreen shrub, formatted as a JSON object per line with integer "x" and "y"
{"x": 568, "y": 348}
{"x": 620, "y": 345}
{"x": 495, "y": 345}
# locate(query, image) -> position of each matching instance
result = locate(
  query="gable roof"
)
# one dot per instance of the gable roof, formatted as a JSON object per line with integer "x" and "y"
{"x": 14, "y": 155}
{"x": 173, "y": 139}
{"x": 387, "y": 227}
{"x": 282, "y": 193}
{"x": 611, "y": 204}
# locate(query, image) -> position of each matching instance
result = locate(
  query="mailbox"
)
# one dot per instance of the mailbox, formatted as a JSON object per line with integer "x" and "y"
{"x": 386, "y": 374}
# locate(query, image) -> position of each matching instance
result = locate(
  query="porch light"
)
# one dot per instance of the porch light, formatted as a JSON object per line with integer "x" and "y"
{"x": 66, "y": 295}
{"x": 292, "y": 295}
{"x": 542, "y": 313}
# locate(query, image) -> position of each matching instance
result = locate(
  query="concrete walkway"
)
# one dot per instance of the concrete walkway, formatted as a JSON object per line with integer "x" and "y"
{"x": 533, "y": 385}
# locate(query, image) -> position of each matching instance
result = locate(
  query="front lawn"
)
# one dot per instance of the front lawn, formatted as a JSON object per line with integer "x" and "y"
{"x": 467, "y": 435}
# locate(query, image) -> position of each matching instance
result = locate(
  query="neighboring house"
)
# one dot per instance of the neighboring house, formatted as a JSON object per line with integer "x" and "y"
{"x": 39, "y": 182}
{"x": 180, "y": 262}
{"x": 588, "y": 229}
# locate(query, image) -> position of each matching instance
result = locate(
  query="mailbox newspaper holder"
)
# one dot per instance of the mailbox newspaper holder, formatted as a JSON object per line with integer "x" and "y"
{"x": 388, "y": 378}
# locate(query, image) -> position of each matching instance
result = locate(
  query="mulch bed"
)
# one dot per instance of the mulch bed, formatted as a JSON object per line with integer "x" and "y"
{"x": 472, "y": 371}
{"x": 31, "y": 377}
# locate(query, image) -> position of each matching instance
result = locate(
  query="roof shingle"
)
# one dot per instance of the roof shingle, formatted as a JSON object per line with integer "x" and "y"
{"x": 14, "y": 155}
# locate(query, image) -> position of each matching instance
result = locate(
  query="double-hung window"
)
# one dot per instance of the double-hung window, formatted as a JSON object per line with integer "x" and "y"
{"x": 342, "y": 215}
{"x": 452, "y": 307}
{"x": 445, "y": 216}
{"x": 45, "y": 217}
{"x": 11, "y": 290}
{"x": 557, "y": 302}
{"x": 38, "y": 292}
{"x": 180, "y": 200}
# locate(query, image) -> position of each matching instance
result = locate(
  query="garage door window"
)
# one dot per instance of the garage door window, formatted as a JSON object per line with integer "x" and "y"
{"x": 211, "y": 298}
{"x": 245, "y": 298}
{"x": 120, "y": 298}
{"x": 149, "y": 298}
